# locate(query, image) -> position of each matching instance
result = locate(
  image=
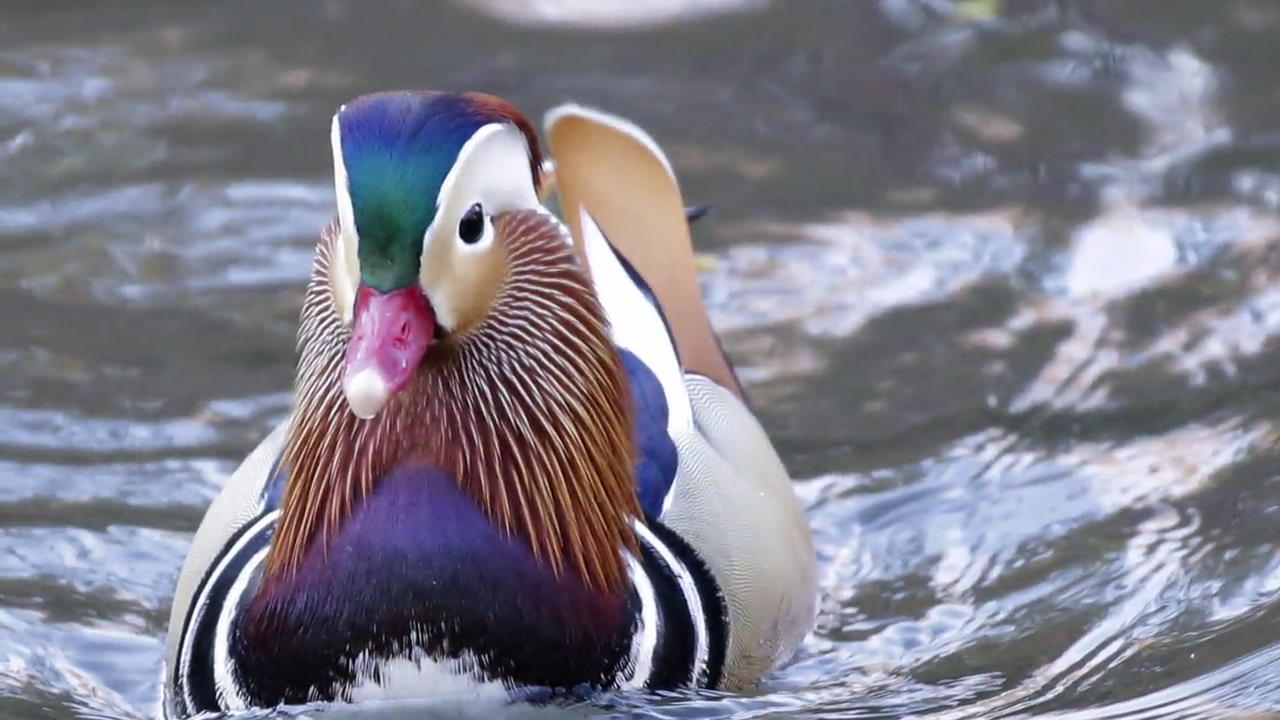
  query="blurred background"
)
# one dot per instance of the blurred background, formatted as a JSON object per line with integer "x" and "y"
{"x": 1002, "y": 276}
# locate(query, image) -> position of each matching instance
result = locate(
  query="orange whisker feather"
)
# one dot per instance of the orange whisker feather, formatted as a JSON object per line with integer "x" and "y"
{"x": 530, "y": 412}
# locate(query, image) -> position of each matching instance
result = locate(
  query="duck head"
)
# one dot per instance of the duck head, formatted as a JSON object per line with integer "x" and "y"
{"x": 449, "y": 323}
{"x": 419, "y": 179}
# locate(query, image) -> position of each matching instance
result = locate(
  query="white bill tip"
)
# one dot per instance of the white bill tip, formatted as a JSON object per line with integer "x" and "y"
{"x": 366, "y": 392}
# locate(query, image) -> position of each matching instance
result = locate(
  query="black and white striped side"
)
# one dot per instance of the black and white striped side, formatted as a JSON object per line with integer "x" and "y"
{"x": 202, "y": 680}
{"x": 681, "y": 631}
{"x": 679, "y": 641}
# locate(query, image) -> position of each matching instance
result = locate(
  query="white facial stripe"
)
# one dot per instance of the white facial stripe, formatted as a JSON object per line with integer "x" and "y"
{"x": 344, "y": 269}
{"x": 341, "y": 186}
{"x": 492, "y": 169}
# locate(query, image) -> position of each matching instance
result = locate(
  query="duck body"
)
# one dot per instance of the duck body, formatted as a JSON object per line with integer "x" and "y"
{"x": 508, "y": 474}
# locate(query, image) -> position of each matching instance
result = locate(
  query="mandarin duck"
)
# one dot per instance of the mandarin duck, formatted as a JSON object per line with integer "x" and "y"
{"x": 518, "y": 463}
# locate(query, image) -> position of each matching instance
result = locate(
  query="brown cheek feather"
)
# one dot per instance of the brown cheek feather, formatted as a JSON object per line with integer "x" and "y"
{"x": 529, "y": 411}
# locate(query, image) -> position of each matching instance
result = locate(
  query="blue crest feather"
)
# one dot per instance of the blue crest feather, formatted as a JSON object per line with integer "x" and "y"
{"x": 398, "y": 148}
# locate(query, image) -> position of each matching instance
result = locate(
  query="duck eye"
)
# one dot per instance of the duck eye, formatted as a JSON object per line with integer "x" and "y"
{"x": 471, "y": 226}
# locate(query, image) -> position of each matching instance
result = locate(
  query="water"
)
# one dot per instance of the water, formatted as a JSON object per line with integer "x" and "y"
{"x": 1003, "y": 278}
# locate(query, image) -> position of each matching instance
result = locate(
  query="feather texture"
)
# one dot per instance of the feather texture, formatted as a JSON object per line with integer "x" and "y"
{"x": 611, "y": 171}
{"x": 529, "y": 411}
{"x": 396, "y": 150}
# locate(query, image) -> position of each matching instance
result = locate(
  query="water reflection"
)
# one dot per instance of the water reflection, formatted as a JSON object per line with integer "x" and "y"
{"x": 1001, "y": 277}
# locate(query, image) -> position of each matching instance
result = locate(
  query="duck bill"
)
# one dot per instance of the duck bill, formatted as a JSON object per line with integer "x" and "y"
{"x": 390, "y": 334}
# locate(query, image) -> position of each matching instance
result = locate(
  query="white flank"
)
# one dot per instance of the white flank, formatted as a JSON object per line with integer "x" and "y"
{"x": 636, "y": 324}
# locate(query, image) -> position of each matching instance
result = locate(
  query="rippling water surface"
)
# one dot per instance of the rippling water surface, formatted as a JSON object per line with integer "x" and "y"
{"x": 1003, "y": 277}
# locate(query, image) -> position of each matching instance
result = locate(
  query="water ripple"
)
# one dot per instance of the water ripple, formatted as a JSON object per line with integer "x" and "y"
{"x": 1001, "y": 277}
